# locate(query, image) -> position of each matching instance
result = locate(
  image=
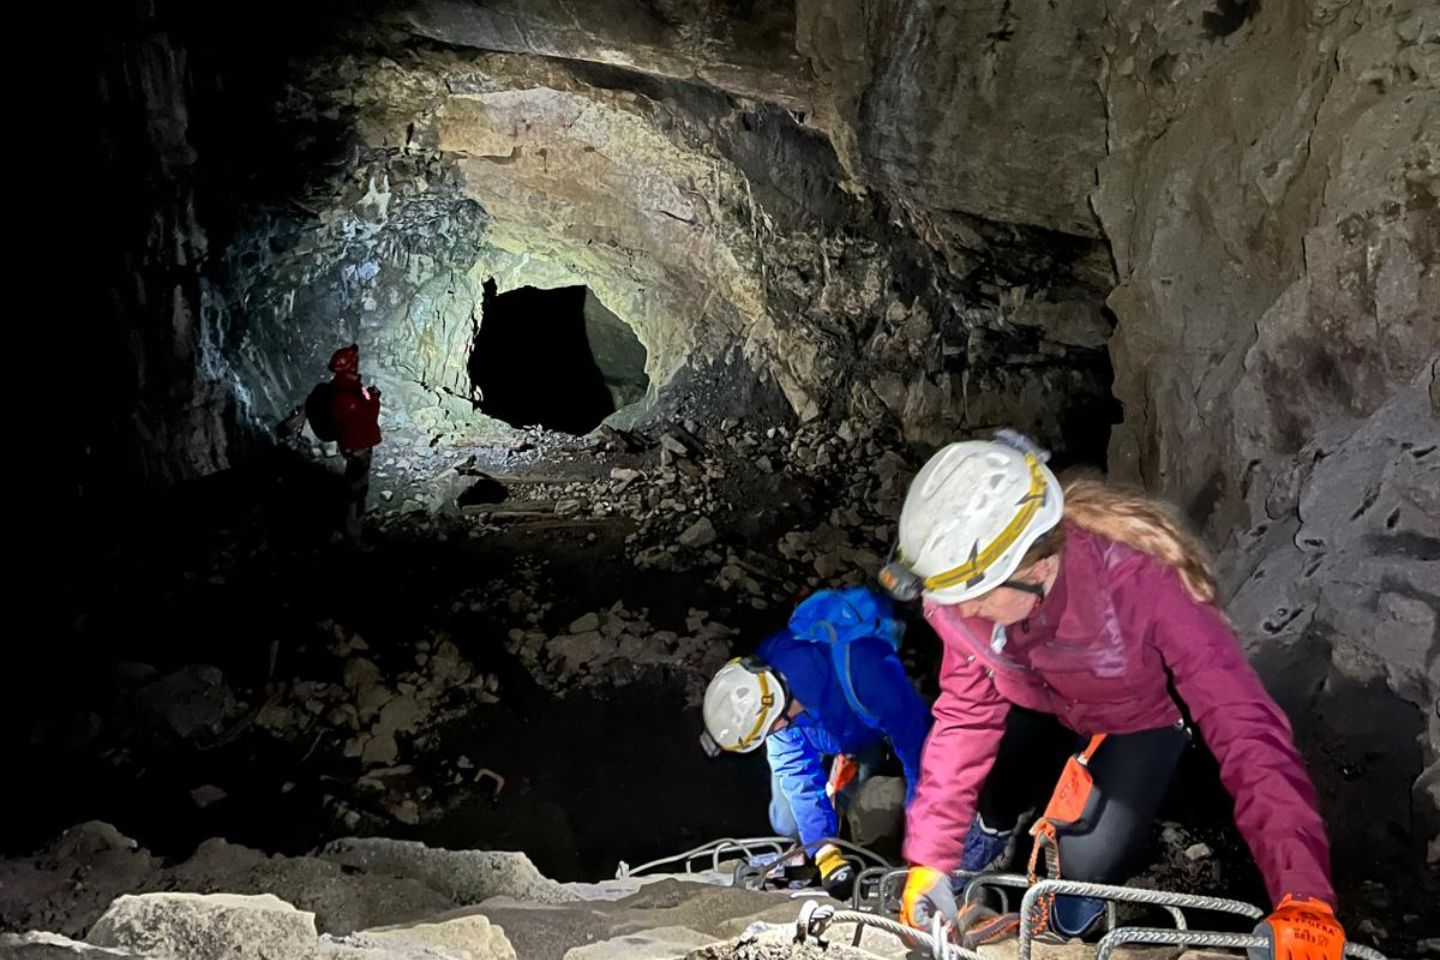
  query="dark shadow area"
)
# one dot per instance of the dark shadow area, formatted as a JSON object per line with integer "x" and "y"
{"x": 1227, "y": 17}
{"x": 239, "y": 572}
{"x": 555, "y": 359}
{"x": 1086, "y": 423}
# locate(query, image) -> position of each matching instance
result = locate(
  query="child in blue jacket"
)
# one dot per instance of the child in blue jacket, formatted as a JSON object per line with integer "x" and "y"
{"x": 829, "y": 685}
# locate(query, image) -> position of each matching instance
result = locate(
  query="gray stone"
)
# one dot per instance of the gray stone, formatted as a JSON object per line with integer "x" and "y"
{"x": 360, "y": 673}
{"x": 37, "y": 945}
{"x": 583, "y": 651}
{"x": 586, "y": 624}
{"x": 465, "y": 876}
{"x": 400, "y": 715}
{"x": 379, "y": 748}
{"x": 878, "y": 810}
{"x": 370, "y": 700}
{"x": 218, "y": 926}
{"x": 191, "y": 701}
{"x": 406, "y": 811}
{"x": 356, "y": 947}
{"x": 661, "y": 943}
{"x": 342, "y": 900}
{"x": 207, "y": 794}
{"x": 701, "y": 533}
{"x": 468, "y": 935}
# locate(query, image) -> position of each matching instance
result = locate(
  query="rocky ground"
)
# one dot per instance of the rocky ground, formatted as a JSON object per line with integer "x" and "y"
{"x": 544, "y": 597}
{"x": 358, "y": 899}
{"x": 511, "y": 658}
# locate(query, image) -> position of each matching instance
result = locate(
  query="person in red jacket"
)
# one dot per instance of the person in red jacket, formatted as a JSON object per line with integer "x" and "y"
{"x": 355, "y": 416}
{"x": 1077, "y": 613}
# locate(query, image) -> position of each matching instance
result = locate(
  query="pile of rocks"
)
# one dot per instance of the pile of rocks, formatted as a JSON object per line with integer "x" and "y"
{"x": 615, "y": 647}
{"x": 376, "y": 899}
{"x": 364, "y": 707}
{"x": 369, "y": 899}
{"x": 365, "y": 714}
{"x": 356, "y": 899}
{"x": 716, "y": 503}
{"x": 680, "y": 503}
{"x": 377, "y": 708}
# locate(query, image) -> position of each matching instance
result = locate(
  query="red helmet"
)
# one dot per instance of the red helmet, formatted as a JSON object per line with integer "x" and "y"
{"x": 346, "y": 360}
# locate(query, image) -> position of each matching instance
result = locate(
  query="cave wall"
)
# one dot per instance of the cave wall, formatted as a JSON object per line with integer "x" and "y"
{"x": 1267, "y": 177}
{"x": 725, "y": 231}
{"x": 166, "y": 413}
{"x": 1270, "y": 195}
{"x": 1271, "y": 191}
{"x": 987, "y": 108}
{"x": 824, "y": 177}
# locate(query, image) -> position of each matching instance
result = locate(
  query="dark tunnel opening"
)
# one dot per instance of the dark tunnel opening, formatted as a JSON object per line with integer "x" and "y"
{"x": 554, "y": 358}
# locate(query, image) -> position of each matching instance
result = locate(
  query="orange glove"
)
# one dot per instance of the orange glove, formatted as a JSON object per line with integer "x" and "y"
{"x": 843, "y": 769}
{"x": 1303, "y": 929}
{"x": 927, "y": 892}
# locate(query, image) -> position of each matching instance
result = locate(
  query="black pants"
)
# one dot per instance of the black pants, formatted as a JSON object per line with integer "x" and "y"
{"x": 1132, "y": 771}
{"x": 357, "y": 488}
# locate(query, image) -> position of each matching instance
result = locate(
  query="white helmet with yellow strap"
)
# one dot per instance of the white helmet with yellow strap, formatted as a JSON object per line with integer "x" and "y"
{"x": 970, "y": 515}
{"x": 742, "y": 703}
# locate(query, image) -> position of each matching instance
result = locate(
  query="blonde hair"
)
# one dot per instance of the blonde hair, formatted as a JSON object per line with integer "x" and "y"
{"x": 1136, "y": 521}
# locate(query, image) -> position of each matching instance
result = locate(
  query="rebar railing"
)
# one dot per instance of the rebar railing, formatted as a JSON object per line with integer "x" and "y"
{"x": 1205, "y": 938}
{"x": 1109, "y": 892}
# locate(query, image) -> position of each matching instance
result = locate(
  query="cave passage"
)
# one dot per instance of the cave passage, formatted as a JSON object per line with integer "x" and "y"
{"x": 554, "y": 358}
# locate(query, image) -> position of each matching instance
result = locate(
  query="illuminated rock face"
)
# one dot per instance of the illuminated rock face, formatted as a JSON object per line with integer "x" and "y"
{"x": 767, "y": 266}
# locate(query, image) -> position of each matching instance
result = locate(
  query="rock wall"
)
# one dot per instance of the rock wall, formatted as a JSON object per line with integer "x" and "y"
{"x": 906, "y": 209}
{"x": 706, "y": 224}
{"x": 1336, "y": 590}
{"x": 1270, "y": 193}
{"x": 164, "y": 413}
{"x": 388, "y": 179}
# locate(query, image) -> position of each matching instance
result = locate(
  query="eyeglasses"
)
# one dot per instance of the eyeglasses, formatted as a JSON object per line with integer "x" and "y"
{"x": 1034, "y": 589}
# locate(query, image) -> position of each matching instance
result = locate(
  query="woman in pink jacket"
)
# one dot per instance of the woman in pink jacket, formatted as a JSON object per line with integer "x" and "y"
{"x": 1086, "y": 608}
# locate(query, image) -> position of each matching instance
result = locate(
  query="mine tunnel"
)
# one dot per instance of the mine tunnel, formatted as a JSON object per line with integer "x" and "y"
{"x": 455, "y": 421}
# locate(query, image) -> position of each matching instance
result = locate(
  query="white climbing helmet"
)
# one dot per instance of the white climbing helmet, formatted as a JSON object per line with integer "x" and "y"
{"x": 742, "y": 703}
{"x": 970, "y": 514}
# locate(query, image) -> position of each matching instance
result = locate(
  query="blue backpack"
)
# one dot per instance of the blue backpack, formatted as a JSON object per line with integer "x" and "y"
{"x": 839, "y": 618}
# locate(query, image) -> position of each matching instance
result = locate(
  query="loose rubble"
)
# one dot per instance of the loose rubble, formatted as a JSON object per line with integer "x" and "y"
{"x": 752, "y": 518}
{"x": 383, "y": 900}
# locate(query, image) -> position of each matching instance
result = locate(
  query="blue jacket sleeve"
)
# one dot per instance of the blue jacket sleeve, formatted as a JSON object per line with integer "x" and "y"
{"x": 799, "y": 769}
{"x": 900, "y": 713}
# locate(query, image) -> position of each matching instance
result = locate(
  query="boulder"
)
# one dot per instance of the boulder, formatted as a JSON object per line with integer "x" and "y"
{"x": 217, "y": 926}
{"x": 465, "y": 876}
{"x": 470, "y": 935}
